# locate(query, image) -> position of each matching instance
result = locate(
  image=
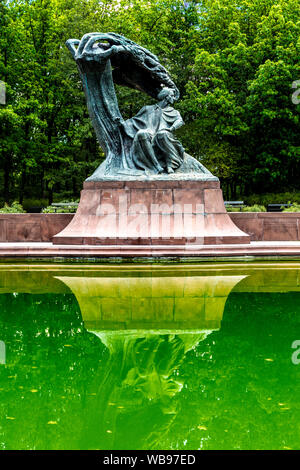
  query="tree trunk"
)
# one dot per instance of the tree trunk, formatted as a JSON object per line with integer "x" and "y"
{"x": 7, "y": 167}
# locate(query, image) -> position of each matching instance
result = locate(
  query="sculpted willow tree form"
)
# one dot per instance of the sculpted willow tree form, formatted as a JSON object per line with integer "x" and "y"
{"x": 143, "y": 145}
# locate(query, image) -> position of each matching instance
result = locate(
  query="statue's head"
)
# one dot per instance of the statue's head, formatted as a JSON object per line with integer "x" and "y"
{"x": 167, "y": 94}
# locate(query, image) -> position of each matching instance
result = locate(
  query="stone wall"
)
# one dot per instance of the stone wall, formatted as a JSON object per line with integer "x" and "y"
{"x": 269, "y": 226}
{"x": 31, "y": 227}
{"x": 261, "y": 226}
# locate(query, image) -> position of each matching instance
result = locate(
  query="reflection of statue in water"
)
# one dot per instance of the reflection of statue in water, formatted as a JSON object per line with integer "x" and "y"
{"x": 144, "y": 144}
{"x": 139, "y": 381}
{"x": 140, "y": 318}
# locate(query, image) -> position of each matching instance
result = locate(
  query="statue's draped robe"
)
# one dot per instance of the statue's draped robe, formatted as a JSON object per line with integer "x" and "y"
{"x": 153, "y": 120}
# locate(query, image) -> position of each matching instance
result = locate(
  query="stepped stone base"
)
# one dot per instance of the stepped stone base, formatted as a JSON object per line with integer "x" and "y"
{"x": 151, "y": 213}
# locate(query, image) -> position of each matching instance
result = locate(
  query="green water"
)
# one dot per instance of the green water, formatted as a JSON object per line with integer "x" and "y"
{"x": 150, "y": 358}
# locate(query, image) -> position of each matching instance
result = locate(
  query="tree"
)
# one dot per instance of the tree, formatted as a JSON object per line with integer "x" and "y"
{"x": 234, "y": 64}
{"x": 239, "y": 93}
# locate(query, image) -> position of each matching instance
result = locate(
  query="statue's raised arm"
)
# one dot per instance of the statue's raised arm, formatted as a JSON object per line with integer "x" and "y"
{"x": 143, "y": 146}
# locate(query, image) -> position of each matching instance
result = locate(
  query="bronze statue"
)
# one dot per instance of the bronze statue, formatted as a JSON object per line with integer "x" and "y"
{"x": 143, "y": 146}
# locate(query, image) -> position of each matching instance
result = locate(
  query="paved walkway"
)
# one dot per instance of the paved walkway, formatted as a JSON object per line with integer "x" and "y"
{"x": 48, "y": 250}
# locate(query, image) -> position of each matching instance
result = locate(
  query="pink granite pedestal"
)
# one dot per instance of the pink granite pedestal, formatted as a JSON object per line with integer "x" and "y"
{"x": 151, "y": 212}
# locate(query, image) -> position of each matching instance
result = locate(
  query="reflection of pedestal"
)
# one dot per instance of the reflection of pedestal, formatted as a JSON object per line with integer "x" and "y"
{"x": 151, "y": 212}
{"x": 152, "y": 303}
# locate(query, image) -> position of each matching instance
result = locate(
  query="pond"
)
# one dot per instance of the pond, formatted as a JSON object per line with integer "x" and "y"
{"x": 150, "y": 357}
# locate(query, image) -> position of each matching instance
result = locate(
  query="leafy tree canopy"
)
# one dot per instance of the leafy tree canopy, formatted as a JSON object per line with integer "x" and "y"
{"x": 234, "y": 63}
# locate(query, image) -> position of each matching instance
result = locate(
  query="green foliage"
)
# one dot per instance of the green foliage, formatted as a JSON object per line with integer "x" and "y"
{"x": 255, "y": 208}
{"x": 294, "y": 208}
{"x": 273, "y": 198}
{"x": 13, "y": 209}
{"x": 29, "y": 204}
{"x": 239, "y": 94}
{"x": 60, "y": 209}
{"x": 233, "y": 61}
{"x": 232, "y": 208}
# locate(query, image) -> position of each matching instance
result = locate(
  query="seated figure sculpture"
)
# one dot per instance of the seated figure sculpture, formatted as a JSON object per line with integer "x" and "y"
{"x": 154, "y": 146}
{"x": 144, "y": 145}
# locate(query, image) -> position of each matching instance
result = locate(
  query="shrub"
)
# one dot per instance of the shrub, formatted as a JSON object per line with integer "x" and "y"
{"x": 232, "y": 209}
{"x": 61, "y": 210}
{"x": 294, "y": 208}
{"x": 30, "y": 204}
{"x": 15, "y": 208}
{"x": 273, "y": 198}
{"x": 254, "y": 208}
